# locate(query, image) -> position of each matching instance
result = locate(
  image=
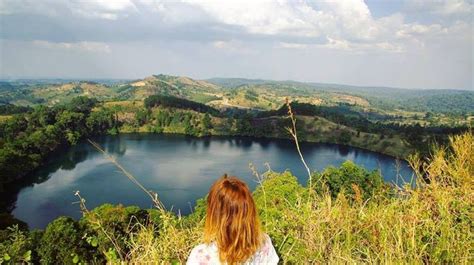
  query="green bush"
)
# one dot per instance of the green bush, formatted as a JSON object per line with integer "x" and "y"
{"x": 354, "y": 180}
{"x": 108, "y": 226}
{"x": 15, "y": 246}
{"x": 62, "y": 243}
{"x": 278, "y": 198}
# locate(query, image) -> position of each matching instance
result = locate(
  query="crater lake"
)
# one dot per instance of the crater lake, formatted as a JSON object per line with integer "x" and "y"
{"x": 179, "y": 168}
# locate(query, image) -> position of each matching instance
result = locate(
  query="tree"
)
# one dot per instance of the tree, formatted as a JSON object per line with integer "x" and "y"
{"x": 346, "y": 177}
{"x": 206, "y": 124}
{"x": 344, "y": 137}
{"x": 82, "y": 104}
{"x": 70, "y": 120}
{"x": 100, "y": 121}
{"x": 244, "y": 125}
{"x": 141, "y": 117}
{"x": 180, "y": 103}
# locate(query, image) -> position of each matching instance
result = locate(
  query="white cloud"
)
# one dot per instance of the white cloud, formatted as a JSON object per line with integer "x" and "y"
{"x": 87, "y": 46}
{"x": 347, "y": 25}
{"x": 259, "y": 17}
{"x": 349, "y": 20}
{"x": 443, "y": 7}
{"x": 220, "y": 44}
{"x": 8, "y": 7}
{"x": 103, "y": 9}
{"x": 291, "y": 45}
{"x": 345, "y": 45}
{"x": 233, "y": 46}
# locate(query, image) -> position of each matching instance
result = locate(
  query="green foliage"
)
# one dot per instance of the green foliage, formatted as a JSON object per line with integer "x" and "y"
{"x": 251, "y": 95}
{"x": 344, "y": 137}
{"x": 28, "y": 138}
{"x": 8, "y": 109}
{"x": 206, "y": 124}
{"x": 353, "y": 180}
{"x": 275, "y": 196}
{"x": 175, "y": 102}
{"x": 81, "y": 104}
{"x": 349, "y": 218}
{"x": 62, "y": 243}
{"x": 141, "y": 117}
{"x": 100, "y": 121}
{"x": 244, "y": 125}
{"x": 15, "y": 246}
{"x": 118, "y": 221}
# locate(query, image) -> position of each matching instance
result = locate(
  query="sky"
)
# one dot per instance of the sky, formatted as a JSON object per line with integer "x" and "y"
{"x": 406, "y": 43}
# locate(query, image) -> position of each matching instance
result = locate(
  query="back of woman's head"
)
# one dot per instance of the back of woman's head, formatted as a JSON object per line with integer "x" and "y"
{"x": 232, "y": 220}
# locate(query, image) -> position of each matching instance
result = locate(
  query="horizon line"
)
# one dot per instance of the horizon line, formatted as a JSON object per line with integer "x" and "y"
{"x": 220, "y": 77}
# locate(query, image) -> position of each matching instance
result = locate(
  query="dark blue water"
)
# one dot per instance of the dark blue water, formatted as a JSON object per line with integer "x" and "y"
{"x": 179, "y": 168}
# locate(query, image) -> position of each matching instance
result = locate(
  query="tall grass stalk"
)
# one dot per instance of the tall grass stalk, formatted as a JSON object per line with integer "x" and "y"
{"x": 294, "y": 134}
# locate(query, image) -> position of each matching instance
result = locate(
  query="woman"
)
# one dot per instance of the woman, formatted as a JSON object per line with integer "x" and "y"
{"x": 232, "y": 231}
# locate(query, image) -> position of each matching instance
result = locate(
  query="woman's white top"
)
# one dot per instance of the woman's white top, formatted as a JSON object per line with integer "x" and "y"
{"x": 209, "y": 254}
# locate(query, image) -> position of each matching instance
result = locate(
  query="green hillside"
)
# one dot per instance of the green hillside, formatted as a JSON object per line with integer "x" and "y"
{"x": 379, "y": 119}
{"x": 242, "y": 93}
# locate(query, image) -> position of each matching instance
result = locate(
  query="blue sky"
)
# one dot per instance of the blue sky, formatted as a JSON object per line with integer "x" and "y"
{"x": 412, "y": 44}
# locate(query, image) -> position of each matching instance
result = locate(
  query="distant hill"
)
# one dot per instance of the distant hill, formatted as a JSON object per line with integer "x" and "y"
{"x": 387, "y": 98}
{"x": 239, "y": 93}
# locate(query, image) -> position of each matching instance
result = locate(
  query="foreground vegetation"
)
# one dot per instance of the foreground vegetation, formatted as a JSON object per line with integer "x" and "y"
{"x": 347, "y": 215}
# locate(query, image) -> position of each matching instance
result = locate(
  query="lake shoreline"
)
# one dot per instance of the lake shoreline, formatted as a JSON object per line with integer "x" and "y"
{"x": 180, "y": 168}
{"x": 272, "y": 137}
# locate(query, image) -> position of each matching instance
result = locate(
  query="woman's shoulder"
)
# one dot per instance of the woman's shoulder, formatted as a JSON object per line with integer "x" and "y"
{"x": 203, "y": 253}
{"x": 266, "y": 254}
{"x": 209, "y": 254}
{"x": 267, "y": 243}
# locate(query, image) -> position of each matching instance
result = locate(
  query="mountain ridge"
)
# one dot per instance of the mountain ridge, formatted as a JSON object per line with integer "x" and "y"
{"x": 259, "y": 94}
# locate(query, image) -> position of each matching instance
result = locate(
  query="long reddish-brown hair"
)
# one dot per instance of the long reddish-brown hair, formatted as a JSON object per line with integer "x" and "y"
{"x": 232, "y": 220}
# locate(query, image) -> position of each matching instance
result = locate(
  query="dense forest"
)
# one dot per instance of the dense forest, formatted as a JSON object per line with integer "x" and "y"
{"x": 28, "y": 138}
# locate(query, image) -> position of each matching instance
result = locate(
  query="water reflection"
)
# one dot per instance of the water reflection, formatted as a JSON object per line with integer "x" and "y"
{"x": 343, "y": 150}
{"x": 179, "y": 168}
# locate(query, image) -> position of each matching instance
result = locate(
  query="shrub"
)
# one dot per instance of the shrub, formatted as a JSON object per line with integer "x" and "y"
{"x": 61, "y": 243}
{"x": 15, "y": 246}
{"x": 108, "y": 226}
{"x": 350, "y": 178}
